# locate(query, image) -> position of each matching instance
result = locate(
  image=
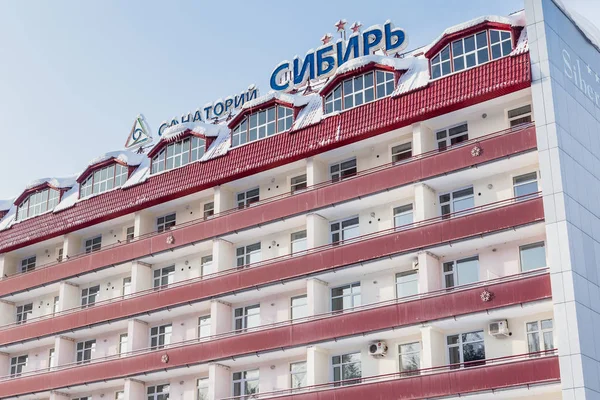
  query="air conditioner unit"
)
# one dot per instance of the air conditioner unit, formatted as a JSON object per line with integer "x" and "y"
{"x": 415, "y": 264}
{"x": 498, "y": 328}
{"x": 378, "y": 349}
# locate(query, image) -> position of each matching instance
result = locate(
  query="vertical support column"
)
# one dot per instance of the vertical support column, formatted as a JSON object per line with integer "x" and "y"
{"x": 134, "y": 389}
{"x": 219, "y": 381}
{"x": 64, "y": 350}
{"x": 68, "y": 296}
{"x": 8, "y": 265}
{"x": 143, "y": 223}
{"x": 222, "y": 255}
{"x": 317, "y": 366}
{"x": 425, "y": 202}
{"x": 423, "y": 140}
{"x": 433, "y": 347}
{"x": 141, "y": 276}
{"x": 138, "y": 335}
{"x": 71, "y": 245}
{"x": 430, "y": 273}
{"x": 223, "y": 199}
{"x": 317, "y": 231}
{"x": 220, "y": 317}
{"x": 316, "y": 171}
{"x": 317, "y": 296}
{"x": 8, "y": 313}
{"x": 4, "y": 363}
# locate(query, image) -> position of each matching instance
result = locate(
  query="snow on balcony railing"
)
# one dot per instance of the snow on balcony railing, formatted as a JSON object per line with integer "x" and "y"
{"x": 233, "y": 270}
{"x": 412, "y": 298}
{"x": 271, "y": 199}
{"x": 399, "y": 375}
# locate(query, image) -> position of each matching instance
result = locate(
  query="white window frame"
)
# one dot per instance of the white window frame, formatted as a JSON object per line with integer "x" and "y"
{"x": 243, "y": 381}
{"x": 165, "y": 389}
{"x": 476, "y": 51}
{"x": 294, "y": 373}
{"x": 120, "y": 395}
{"x": 353, "y": 295}
{"x": 298, "y": 240}
{"x": 55, "y": 305}
{"x": 531, "y": 246}
{"x": 248, "y": 197}
{"x": 336, "y": 176}
{"x": 19, "y": 363}
{"x": 93, "y": 244}
{"x": 503, "y": 51}
{"x": 448, "y": 137}
{"x": 353, "y": 92}
{"x": 126, "y": 286}
{"x": 23, "y": 311}
{"x": 409, "y": 372}
{"x": 298, "y": 183}
{"x": 523, "y": 114}
{"x": 541, "y": 335}
{"x": 178, "y": 154}
{"x": 166, "y": 222}
{"x": 397, "y": 284}
{"x": 38, "y": 203}
{"x": 341, "y": 230}
{"x": 341, "y": 365}
{"x": 129, "y": 234}
{"x": 515, "y": 185}
{"x": 401, "y": 211}
{"x": 104, "y": 179}
{"x": 206, "y": 262}
{"x": 204, "y": 323}
{"x": 123, "y": 343}
{"x": 208, "y": 209}
{"x": 277, "y": 119}
{"x": 454, "y": 272}
{"x": 167, "y": 332}
{"x": 401, "y": 150}
{"x": 51, "y": 358}
{"x": 246, "y": 312}
{"x": 246, "y": 254}
{"x": 453, "y": 199}
{"x": 28, "y": 264}
{"x": 302, "y": 306}
{"x": 90, "y": 298}
{"x": 159, "y": 274}
{"x": 86, "y": 345}
{"x": 440, "y": 62}
{"x": 202, "y": 389}
{"x": 461, "y": 344}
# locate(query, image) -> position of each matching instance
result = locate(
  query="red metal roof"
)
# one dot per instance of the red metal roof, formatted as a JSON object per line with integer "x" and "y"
{"x": 439, "y": 97}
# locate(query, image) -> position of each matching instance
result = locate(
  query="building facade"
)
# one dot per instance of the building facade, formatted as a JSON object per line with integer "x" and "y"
{"x": 414, "y": 226}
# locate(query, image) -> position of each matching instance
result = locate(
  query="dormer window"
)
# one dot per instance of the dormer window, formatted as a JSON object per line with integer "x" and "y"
{"x": 359, "y": 90}
{"x": 177, "y": 154}
{"x": 38, "y": 203}
{"x": 261, "y": 124}
{"x": 471, "y": 51}
{"x": 104, "y": 179}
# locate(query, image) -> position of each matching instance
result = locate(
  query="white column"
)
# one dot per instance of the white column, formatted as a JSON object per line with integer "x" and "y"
{"x": 64, "y": 350}
{"x": 4, "y": 363}
{"x": 316, "y": 171}
{"x": 141, "y": 276}
{"x": 219, "y": 381}
{"x": 59, "y": 396}
{"x": 8, "y": 313}
{"x": 69, "y": 296}
{"x": 317, "y": 296}
{"x": 134, "y": 389}
{"x": 317, "y": 366}
{"x": 423, "y": 139}
{"x": 143, "y": 223}
{"x": 8, "y": 265}
{"x": 317, "y": 231}
{"x": 71, "y": 245}
{"x": 223, "y": 199}
{"x": 430, "y": 272}
{"x": 220, "y": 317}
{"x": 425, "y": 202}
{"x": 138, "y": 335}
{"x": 434, "y": 349}
{"x": 222, "y": 255}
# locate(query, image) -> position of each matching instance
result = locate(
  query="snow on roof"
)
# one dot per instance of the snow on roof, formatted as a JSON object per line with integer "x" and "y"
{"x": 297, "y": 100}
{"x": 202, "y": 128}
{"x": 589, "y": 30}
{"x": 6, "y": 204}
{"x": 128, "y": 157}
{"x": 416, "y": 77}
{"x": 311, "y": 114}
{"x": 60, "y": 183}
{"x": 516, "y": 19}
{"x": 69, "y": 198}
{"x": 522, "y": 44}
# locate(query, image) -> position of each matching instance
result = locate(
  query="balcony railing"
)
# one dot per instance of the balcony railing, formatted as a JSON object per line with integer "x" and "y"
{"x": 274, "y": 199}
{"x": 415, "y": 374}
{"x": 266, "y": 327}
{"x": 320, "y": 249}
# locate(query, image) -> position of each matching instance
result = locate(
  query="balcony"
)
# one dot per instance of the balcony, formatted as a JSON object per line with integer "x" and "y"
{"x": 422, "y": 167}
{"x": 484, "y": 220}
{"x": 504, "y": 292}
{"x": 450, "y": 380}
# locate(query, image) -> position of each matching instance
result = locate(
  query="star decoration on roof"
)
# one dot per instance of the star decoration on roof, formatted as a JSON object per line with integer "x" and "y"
{"x": 341, "y": 25}
{"x": 356, "y": 27}
{"x": 326, "y": 38}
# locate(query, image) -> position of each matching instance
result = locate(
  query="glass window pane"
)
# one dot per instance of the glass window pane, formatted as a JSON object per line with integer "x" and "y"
{"x": 533, "y": 256}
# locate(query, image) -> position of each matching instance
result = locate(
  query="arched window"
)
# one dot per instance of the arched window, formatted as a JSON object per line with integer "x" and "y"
{"x": 359, "y": 90}
{"x": 178, "y": 153}
{"x": 261, "y": 124}
{"x": 471, "y": 51}
{"x": 38, "y": 203}
{"x": 103, "y": 179}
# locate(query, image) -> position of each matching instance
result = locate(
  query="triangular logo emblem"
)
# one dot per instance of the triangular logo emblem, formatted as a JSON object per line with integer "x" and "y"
{"x": 139, "y": 135}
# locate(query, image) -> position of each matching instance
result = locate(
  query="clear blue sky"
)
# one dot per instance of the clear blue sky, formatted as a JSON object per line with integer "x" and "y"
{"x": 74, "y": 74}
